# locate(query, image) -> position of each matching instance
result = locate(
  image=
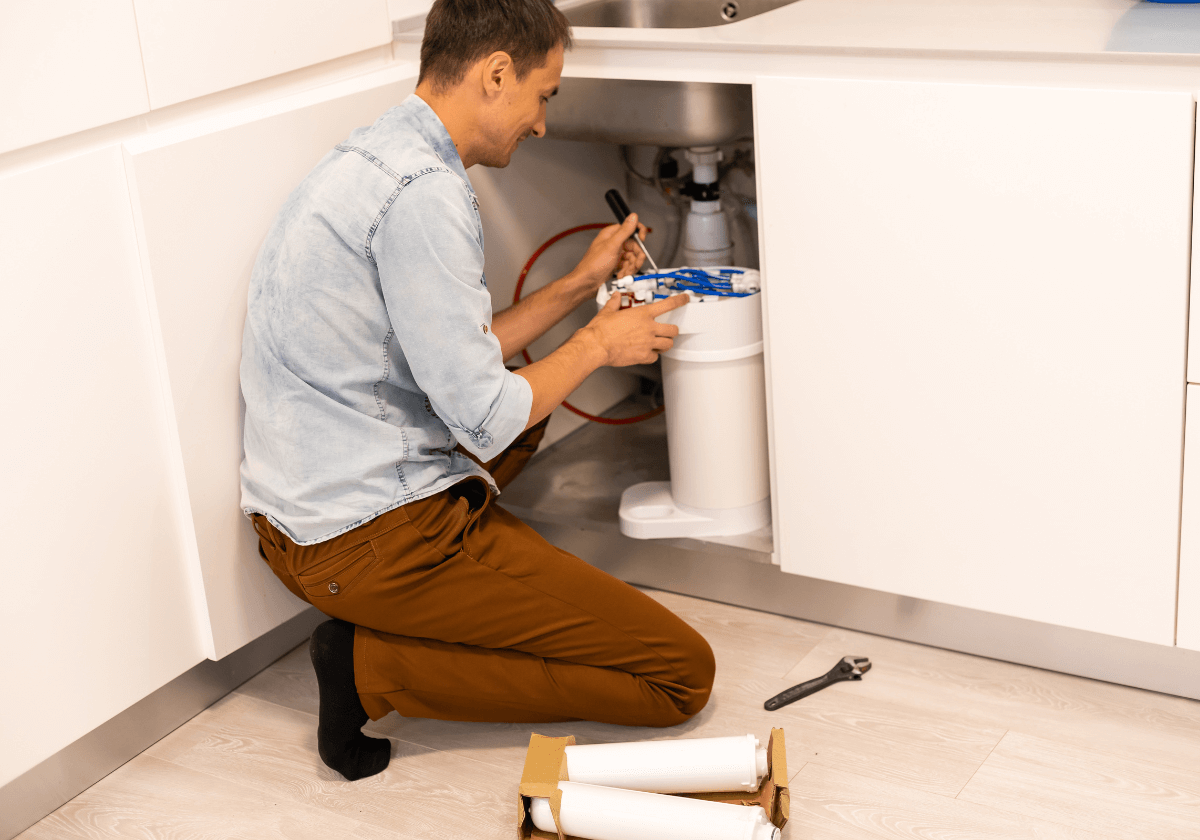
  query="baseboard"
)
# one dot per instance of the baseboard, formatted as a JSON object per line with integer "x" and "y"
{"x": 718, "y": 574}
{"x": 72, "y": 770}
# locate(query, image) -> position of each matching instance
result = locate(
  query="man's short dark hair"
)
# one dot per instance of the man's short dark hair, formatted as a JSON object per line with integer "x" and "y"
{"x": 459, "y": 33}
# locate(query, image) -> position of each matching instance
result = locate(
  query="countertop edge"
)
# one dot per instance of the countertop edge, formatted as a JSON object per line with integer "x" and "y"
{"x": 588, "y": 41}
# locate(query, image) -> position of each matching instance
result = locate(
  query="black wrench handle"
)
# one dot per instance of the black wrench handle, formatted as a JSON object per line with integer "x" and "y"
{"x": 797, "y": 692}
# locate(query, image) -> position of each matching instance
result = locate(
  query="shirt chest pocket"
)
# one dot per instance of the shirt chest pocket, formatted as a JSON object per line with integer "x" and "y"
{"x": 338, "y": 574}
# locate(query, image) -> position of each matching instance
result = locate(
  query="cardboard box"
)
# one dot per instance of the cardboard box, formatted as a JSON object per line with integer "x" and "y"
{"x": 546, "y": 766}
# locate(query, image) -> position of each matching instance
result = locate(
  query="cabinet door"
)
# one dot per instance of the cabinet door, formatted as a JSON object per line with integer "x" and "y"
{"x": 67, "y": 66}
{"x": 192, "y": 49}
{"x": 976, "y": 304}
{"x": 99, "y": 606}
{"x": 1189, "y": 540}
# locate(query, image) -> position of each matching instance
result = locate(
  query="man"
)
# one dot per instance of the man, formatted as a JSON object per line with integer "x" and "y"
{"x": 372, "y": 362}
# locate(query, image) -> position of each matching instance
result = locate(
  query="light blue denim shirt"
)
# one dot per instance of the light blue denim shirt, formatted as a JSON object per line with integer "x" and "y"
{"x": 368, "y": 351}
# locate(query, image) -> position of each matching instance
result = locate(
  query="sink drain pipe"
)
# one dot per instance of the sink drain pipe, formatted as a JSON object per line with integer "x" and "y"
{"x": 706, "y": 237}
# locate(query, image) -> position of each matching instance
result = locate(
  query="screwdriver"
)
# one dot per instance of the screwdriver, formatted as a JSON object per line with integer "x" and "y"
{"x": 620, "y": 209}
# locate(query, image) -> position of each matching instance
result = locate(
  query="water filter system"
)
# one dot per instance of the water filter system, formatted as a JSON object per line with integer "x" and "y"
{"x": 713, "y": 380}
{"x": 715, "y": 395}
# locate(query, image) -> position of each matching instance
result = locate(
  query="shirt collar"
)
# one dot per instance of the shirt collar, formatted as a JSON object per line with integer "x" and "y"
{"x": 434, "y": 132}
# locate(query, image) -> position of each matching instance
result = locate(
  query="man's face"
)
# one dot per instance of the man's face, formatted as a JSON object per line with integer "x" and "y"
{"x": 521, "y": 109}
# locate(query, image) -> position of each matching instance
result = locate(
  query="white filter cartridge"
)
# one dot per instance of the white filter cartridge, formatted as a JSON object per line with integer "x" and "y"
{"x": 593, "y": 812}
{"x": 692, "y": 765}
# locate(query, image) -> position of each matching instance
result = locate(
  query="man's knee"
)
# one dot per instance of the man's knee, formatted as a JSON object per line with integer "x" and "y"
{"x": 699, "y": 672}
{"x": 691, "y": 686}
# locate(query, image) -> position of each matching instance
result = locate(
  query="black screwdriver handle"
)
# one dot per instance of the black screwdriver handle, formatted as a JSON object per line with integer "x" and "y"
{"x": 797, "y": 692}
{"x": 617, "y": 202}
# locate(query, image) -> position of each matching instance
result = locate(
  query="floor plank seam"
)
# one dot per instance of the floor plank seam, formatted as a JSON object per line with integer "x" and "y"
{"x": 967, "y": 783}
{"x": 795, "y": 664}
{"x": 459, "y": 754}
{"x": 258, "y": 699}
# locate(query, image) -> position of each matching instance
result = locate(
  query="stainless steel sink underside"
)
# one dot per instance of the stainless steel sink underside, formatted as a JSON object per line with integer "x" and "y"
{"x": 650, "y": 113}
{"x": 664, "y": 14}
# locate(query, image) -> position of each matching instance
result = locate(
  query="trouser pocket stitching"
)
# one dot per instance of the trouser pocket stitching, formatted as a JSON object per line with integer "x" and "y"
{"x": 336, "y": 578}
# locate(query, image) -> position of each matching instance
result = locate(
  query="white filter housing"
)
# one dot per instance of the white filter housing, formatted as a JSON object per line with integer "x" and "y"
{"x": 593, "y": 812}
{"x": 692, "y": 765}
{"x": 715, "y": 393}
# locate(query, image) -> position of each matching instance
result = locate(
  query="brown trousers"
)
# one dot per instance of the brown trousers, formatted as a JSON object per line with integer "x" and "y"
{"x": 463, "y": 612}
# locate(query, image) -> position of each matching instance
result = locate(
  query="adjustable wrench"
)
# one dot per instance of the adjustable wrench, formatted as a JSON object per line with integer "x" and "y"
{"x": 850, "y": 668}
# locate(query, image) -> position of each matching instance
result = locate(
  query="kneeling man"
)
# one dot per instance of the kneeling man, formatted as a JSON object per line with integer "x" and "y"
{"x": 381, "y": 421}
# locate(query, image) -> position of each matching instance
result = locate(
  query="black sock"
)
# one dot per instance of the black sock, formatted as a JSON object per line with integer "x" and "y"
{"x": 340, "y": 739}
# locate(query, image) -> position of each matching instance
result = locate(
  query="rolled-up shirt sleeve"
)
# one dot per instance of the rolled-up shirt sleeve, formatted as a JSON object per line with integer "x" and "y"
{"x": 428, "y": 250}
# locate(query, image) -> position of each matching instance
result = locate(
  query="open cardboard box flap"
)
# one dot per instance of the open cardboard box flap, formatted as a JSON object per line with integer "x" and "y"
{"x": 546, "y": 766}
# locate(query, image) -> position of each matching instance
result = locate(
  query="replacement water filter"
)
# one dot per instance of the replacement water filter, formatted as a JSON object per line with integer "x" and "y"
{"x": 594, "y": 812}
{"x": 693, "y": 765}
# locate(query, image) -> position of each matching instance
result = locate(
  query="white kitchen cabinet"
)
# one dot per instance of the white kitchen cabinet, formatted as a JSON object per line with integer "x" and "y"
{"x": 195, "y": 48}
{"x": 100, "y": 606}
{"x": 204, "y": 196}
{"x": 976, "y": 306}
{"x": 43, "y": 46}
{"x": 1188, "y": 628}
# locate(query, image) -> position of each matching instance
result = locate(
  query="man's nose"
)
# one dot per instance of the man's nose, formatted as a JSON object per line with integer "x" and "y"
{"x": 539, "y": 128}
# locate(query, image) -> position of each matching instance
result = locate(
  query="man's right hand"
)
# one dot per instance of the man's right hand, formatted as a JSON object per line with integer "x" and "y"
{"x": 632, "y": 336}
{"x": 612, "y": 251}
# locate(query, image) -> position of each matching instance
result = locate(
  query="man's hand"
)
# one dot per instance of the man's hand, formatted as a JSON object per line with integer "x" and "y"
{"x": 524, "y": 322}
{"x": 613, "y": 250}
{"x": 632, "y": 336}
{"x": 615, "y": 337}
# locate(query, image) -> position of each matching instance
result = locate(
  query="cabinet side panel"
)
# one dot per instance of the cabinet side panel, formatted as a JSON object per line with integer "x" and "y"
{"x": 979, "y": 395}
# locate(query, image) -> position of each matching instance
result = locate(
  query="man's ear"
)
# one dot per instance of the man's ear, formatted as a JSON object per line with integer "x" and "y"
{"x": 497, "y": 73}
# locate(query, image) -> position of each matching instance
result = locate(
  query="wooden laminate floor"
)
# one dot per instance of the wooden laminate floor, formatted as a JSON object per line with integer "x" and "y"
{"x": 931, "y": 744}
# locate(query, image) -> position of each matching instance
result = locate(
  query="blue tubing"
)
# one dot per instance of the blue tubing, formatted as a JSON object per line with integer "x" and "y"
{"x": 699, "y": 281}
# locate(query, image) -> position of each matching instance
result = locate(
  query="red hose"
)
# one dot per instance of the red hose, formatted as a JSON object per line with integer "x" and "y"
{"x": 608, "y": 421}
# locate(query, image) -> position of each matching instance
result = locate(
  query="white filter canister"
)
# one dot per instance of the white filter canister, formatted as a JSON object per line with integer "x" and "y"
{"x": 717, "y": 432}
{"x": 715, "y": 392}
{"x": 691, "y": 765}
{"x": 593, "y": 812}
